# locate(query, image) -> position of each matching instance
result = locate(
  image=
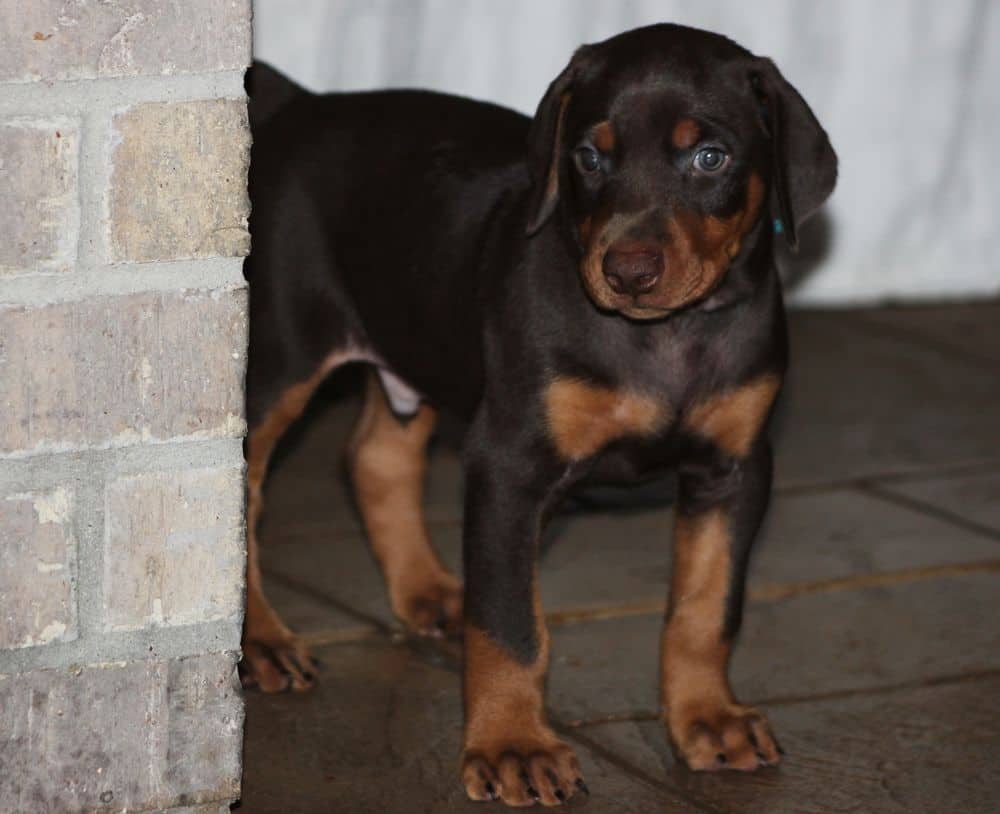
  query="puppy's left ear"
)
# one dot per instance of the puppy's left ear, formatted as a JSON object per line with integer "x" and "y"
{"x": 804, "y": 163}
{"x": 545, "y": 143}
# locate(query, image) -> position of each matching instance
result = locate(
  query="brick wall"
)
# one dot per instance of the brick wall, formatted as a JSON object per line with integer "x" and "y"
{"x": 123, "y": 158}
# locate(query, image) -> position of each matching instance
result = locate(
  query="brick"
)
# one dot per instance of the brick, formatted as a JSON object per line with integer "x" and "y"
{"x": 39, "y": 209}
{"x": 116, "y": 737}
{"x": 179, "y": 182}
{"x": 117, "y": 370}
{"x": 174, "y": 551}
{"x": 55, "y": 39}
{"x": 37, "y": 567}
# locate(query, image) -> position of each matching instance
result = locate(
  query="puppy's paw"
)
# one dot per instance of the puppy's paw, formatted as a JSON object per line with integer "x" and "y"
{"x": 522, "y": 772}
{"x": 431, "y": 605}
{"x": 726, "y": 737}
{"x": 274, "y": 658}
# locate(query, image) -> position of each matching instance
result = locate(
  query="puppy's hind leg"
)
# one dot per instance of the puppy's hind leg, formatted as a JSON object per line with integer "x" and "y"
{"x": 387, "y": 458}
{"x": 274, "y": 658}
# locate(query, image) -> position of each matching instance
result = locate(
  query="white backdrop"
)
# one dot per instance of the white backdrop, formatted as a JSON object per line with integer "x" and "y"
{"x": 907, "y": 89}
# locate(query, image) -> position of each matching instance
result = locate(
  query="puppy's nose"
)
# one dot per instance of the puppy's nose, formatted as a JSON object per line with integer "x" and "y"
{"x": 633, "y": 270}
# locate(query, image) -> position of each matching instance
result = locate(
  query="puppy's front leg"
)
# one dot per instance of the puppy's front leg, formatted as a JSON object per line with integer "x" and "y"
{"x": 721, "y": 502}
{"x": 712, "y": 537}
{"x": 510, "y": 751}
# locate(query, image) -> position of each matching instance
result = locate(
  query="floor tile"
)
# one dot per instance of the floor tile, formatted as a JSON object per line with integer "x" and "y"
{"x": 805, "y": 646}
{"x": 306, "y": 614}
{"x": 869, "y": 393}
{"x": 342, "y": 569}
{"x": 973, "y": 497}
{"x": 859, "y": 403}
{"x": 844, "y": 533}
{"x": 928, "y": 749}
{"x": 972, "y": 330}
{"x": 382, "y": 734}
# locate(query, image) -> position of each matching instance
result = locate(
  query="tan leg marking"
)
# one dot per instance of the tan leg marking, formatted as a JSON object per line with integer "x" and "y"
{"x": 708, "y": 729}
{"x": 510, "y": 751}
{"x": 583, "y": 418}
{"x": 733, "y": 419}
{"x": 388, "y": 463}
{"x": 273, "y": 657}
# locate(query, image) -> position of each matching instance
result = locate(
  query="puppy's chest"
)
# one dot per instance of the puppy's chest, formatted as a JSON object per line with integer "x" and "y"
{"x": 583, "y": 417}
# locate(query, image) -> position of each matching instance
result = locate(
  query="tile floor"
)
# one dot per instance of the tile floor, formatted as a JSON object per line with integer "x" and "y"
{"x": 872, "y": 634}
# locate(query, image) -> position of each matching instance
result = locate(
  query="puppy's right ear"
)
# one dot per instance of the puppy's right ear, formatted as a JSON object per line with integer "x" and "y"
{"x": 545, "y": 143}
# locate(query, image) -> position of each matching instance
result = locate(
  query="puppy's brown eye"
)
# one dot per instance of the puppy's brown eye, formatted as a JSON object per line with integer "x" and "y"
{"x": 587, "y": 159}
{"x": 711, "y": 160}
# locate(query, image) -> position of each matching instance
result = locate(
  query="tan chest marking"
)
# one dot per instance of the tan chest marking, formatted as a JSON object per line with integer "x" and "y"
{"x": 583, "y": 418}
{"x": 734, "y": 419}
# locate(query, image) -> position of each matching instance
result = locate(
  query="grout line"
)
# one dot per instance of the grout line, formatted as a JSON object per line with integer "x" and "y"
{"x": 349, "y": 635}
{"x": 104, "y": 94}
{"x": 634, "y": 772}
{"x": 52, "y": 468}
{"x": 325, "y": 599}
{"x": 885, "y": 689}
{"x": 931, "y": 472}
{"x": 167, "y": 642}
{"x": 637, "y": 716}
{"x": 605, "y": 612}
{"x": 647, "y": 716}
{"x": 929, "y": 510}
{"x": 92, "y": 279}
{"x": 777, "y": 592}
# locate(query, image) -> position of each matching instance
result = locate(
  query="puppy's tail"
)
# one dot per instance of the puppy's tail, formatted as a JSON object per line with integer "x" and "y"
{"x": 269, "y": 91}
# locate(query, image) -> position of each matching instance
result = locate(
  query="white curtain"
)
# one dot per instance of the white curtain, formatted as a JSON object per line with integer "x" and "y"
{"x": 909, "y": 91}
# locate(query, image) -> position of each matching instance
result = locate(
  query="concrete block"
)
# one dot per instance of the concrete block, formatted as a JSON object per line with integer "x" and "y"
{"x": 37, "y": 569}
{"x": 179, "y": 181}
{"x": 121, "y": 737}
{"x": 56, "y": 39}
{"x": 111, "y": 371}
{"x": 174, "y": 551}
{"x": 39, "y": 205}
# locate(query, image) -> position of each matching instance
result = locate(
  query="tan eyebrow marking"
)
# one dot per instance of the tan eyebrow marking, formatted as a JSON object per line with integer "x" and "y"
{"x": 686, "y": 134}
{"x": 603, "y": 136}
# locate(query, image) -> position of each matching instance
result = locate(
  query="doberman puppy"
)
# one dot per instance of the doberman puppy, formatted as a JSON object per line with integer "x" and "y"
{"x": 595, "y": 291}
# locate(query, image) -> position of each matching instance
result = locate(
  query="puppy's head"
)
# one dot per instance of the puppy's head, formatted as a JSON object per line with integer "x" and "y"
{"x": 664, "y": 149}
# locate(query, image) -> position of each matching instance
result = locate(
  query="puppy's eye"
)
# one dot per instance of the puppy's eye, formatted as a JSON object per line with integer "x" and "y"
{"x": 711, "y": 160}
{"x": 587, "y": 159}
